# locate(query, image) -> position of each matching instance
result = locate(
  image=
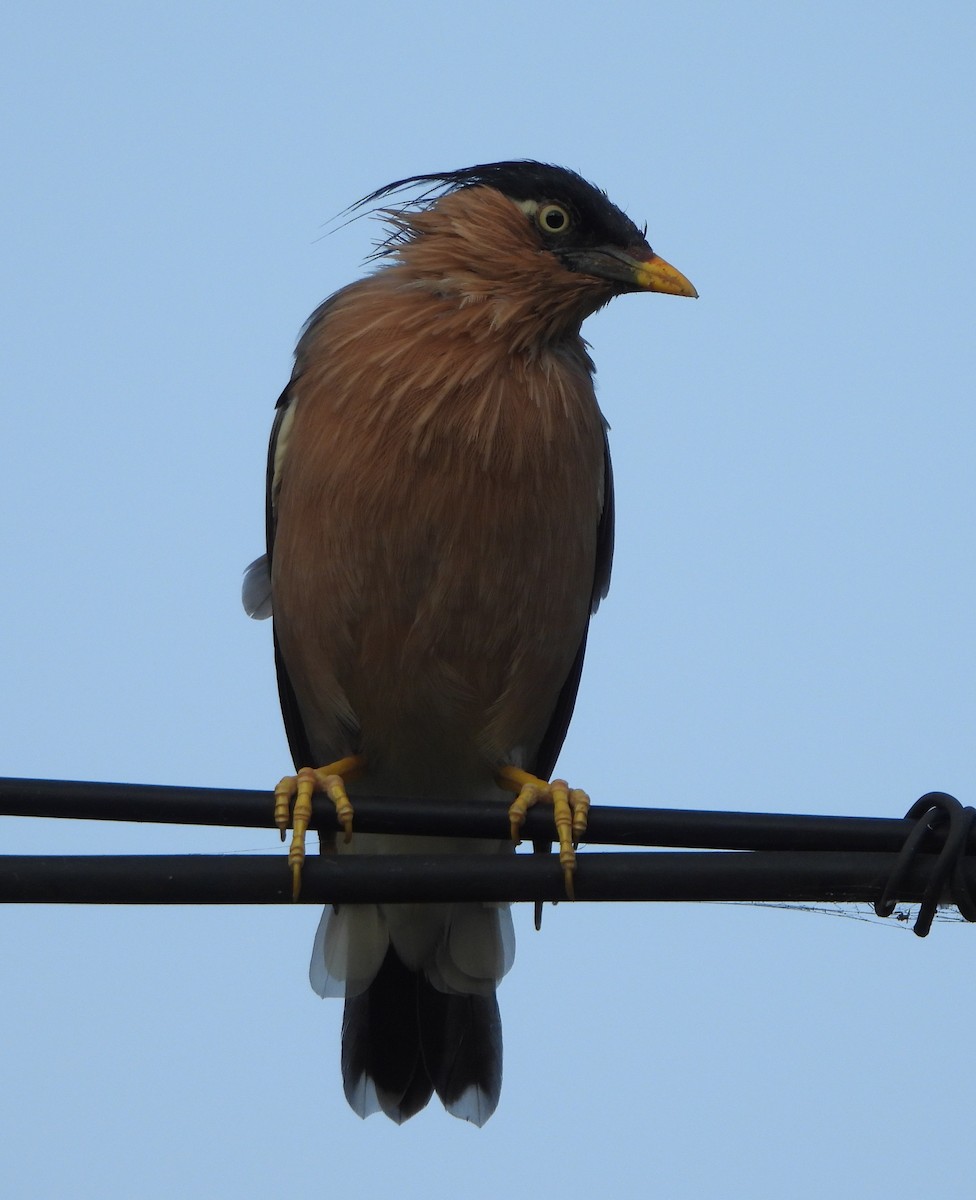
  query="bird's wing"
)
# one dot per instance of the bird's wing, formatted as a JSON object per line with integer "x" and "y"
{"x": 256, "y": 593}
{"x": 257, "y": 577}
{"x": 555, "y": 735}
{"x": 295, "y": 731}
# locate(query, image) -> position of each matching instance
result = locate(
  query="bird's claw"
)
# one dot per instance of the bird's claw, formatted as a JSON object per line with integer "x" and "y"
{"x": 293, "y": 805}
{"x": 569, "y": 809}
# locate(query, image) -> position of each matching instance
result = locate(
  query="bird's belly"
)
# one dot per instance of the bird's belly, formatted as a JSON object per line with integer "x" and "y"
{"x": 466, "y": 638}
{"x": 433, "y": 608}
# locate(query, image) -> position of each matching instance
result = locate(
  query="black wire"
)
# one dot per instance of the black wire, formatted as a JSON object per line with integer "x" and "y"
{"x": 793, "y": 858}
{"x": 935, "y": 811}
{"x": 783, "y": 876}
{"x": 608, "y": 825}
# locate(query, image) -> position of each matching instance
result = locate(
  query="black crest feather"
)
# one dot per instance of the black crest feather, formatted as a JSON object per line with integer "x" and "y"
{"x": 519, "y": 179}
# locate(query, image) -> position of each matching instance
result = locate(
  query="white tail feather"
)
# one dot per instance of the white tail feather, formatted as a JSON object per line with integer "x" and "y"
{"x": 363, "y": 1099}
{"x": 463, "y": 948}
{"x": 472, "y": 1105}
{"x": 476, "y": 951}
{"x": 349, "y": 948}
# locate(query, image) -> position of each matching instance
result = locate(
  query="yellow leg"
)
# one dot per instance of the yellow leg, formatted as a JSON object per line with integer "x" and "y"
{"x": 300, "y": 788}
{"x": 569, "y": 809}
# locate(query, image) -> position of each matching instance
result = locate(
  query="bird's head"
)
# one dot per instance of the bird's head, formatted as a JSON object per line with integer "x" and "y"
{"x": 539, "y": 244}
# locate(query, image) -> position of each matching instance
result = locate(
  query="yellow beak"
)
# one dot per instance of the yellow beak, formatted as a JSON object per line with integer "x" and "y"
{"x": 656, "y": 275}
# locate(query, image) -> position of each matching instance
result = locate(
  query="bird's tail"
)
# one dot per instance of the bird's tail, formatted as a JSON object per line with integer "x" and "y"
{"x": 421, "y": 1014}
{"x": 403, "y": 1040}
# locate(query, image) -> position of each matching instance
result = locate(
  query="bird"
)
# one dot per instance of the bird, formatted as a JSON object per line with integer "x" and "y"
{"x": 440, "y": 528}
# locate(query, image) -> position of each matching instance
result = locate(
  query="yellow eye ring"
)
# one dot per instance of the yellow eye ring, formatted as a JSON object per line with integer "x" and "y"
{"x": 553, "y": 218}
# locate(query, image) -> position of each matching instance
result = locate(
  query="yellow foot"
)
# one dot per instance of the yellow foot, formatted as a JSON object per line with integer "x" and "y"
{"x": 331, "y": 780}
{"x": 569, "y": 809}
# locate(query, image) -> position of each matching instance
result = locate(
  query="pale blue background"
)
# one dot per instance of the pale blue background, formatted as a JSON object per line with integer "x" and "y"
{"x": 791, "y": 624}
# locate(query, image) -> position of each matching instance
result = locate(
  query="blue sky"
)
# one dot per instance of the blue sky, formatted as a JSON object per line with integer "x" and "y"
{"x": 790, "y": 626}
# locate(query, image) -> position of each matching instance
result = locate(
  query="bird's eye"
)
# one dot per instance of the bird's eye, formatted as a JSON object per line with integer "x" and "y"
{"x": 553, "y": 218}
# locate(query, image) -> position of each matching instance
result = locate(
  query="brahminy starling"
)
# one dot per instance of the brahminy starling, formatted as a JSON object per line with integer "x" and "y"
{"x": 440, "y": 530}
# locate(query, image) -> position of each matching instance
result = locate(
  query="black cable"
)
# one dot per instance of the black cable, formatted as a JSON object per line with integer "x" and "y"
{"x": 608, "y": 825}
{"x": 784, "y": 876}
{"x": 920, "y": 858}
{"x": 933, "y": 811}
